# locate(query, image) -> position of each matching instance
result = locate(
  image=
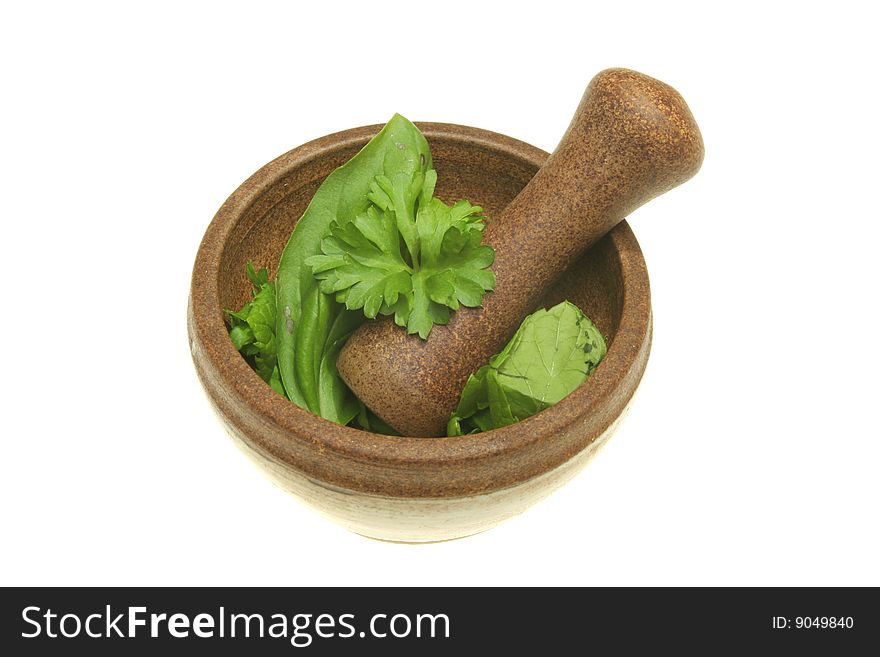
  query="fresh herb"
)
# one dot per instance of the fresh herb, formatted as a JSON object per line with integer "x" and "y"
{"x": 252, "y": 328}
{"x": 551, "y": 354}
{"x": 408, "y": 254}
{"x": 312, "y": 326}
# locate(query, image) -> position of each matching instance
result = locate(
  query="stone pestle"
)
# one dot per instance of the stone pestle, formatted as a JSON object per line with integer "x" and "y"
{"x": 631, "y": 139}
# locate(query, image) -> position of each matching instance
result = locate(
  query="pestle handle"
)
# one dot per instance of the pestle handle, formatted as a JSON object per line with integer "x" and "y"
{"x": 631, "y": 139}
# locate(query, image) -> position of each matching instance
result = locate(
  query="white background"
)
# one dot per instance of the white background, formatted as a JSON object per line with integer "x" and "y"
{"x": 751, "y": 453}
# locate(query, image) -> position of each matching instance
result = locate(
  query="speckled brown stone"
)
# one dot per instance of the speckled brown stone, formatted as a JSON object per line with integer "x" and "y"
{"x": 631, "y": 139}
{"x": 609, "y": 282}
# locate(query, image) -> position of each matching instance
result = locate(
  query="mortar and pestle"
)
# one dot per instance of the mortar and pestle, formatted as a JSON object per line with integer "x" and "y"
{"x": 557, "y": 227}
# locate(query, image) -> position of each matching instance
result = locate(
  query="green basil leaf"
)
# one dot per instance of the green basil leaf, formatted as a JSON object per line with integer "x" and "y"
{"x": 550, "y": 355}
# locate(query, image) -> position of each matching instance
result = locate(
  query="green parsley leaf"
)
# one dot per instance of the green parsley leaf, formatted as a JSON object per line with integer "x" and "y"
{"x": 252, "y": 329}
{"x": 408, "y": 254}
{"x": 551, "y": 354}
